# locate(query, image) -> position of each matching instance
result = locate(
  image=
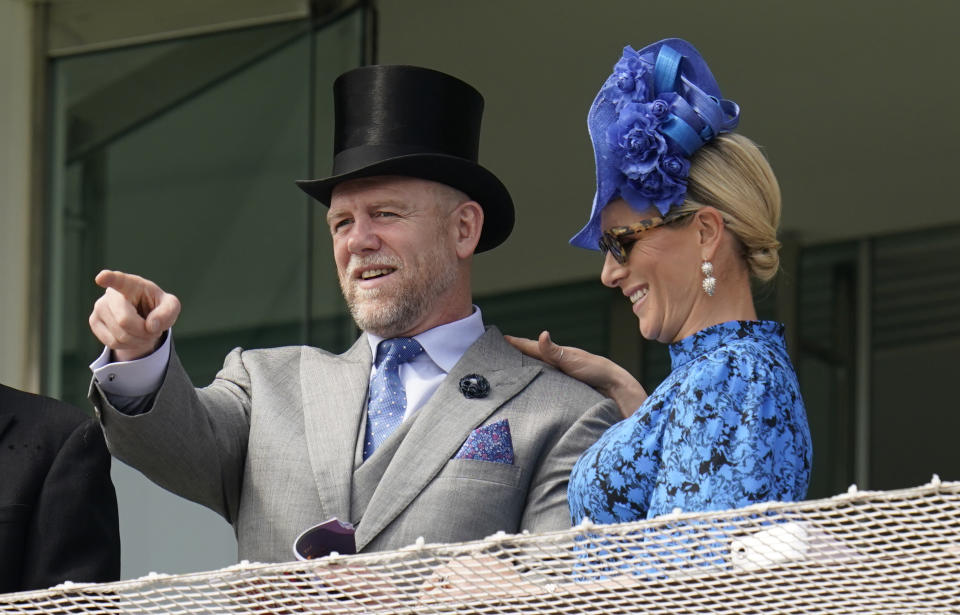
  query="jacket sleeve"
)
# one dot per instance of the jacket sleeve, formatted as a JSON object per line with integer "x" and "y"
{"x": 190, "y": 441}
{"x": 547, "y": 509}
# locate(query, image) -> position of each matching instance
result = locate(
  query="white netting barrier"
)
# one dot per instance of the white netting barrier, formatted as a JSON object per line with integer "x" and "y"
{"x": 866, "y": 552}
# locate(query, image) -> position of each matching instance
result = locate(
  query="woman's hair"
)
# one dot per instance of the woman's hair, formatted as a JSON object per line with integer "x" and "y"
{"x": 731, "y": 174}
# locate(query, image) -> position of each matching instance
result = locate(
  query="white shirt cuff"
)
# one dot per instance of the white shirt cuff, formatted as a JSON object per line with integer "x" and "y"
{"x": 137, "y": 378}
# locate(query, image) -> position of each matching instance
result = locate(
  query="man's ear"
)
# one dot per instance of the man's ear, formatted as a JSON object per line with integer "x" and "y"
{"x": 468, "y": 223}
{"x": 709, "y": 225}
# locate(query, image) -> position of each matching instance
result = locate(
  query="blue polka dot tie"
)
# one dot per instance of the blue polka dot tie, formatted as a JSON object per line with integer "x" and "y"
{"x": 387, "y": 399}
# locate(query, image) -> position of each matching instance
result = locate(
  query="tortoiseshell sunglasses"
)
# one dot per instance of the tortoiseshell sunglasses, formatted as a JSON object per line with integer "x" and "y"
{"x": 612, "y": 239}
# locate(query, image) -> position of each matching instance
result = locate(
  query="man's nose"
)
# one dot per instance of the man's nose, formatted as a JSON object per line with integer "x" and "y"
{"x": 362, "y": 237}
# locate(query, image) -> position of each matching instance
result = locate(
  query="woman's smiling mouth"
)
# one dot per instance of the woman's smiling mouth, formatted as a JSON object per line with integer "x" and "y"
{"x": 639, "y": 294}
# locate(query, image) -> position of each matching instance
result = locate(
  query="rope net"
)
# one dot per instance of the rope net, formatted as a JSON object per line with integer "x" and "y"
{"x": 871, "y": 551}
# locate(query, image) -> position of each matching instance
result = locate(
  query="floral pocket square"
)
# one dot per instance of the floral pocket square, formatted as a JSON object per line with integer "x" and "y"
{"x": 489, "y": 443}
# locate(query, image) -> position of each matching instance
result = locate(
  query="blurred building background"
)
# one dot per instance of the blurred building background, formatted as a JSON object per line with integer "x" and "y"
{"x": 163, "y": 138}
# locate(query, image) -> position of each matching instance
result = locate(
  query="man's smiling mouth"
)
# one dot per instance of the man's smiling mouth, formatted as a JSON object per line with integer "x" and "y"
{"x": 370, "y": 274}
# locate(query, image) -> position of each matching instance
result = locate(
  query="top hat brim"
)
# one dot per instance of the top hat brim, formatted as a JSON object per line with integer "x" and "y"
{"x": 467, "y": 176}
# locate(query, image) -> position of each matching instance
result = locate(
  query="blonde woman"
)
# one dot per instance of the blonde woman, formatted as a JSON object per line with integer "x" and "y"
{"x": 685, "y": 213}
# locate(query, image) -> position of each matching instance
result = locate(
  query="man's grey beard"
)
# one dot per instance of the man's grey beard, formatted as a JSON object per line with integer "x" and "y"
{"x": 425, "y": 281}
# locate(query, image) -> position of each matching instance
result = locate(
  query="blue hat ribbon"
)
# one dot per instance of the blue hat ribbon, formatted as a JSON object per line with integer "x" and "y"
{"x": 696, "y": 117}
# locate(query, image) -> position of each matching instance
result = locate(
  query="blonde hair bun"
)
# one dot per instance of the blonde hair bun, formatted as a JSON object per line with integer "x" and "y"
{"x": 731, "y": 174}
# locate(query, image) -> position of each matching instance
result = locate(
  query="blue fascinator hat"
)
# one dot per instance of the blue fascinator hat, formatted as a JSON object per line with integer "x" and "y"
{"x": 660, "y": 105}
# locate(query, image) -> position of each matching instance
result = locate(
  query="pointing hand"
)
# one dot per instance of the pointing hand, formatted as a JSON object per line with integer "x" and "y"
{"x": 132, "y": 314}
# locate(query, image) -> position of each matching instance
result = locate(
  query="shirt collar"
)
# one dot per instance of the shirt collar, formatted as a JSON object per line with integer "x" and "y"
{"x": 446, "y": 344}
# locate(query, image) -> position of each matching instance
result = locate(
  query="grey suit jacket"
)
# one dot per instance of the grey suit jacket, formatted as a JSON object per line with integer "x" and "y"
{"x": 274, "y": 445}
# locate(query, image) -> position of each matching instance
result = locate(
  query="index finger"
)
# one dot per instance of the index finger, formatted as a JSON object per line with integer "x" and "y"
{"x": 127, "y": 284}
{"x": 526, "y": 346}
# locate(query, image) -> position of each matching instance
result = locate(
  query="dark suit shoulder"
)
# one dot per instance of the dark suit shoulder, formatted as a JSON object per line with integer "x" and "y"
{"x": 45, "y": 414}
{"x": 63, "y": 521}
{"x": 34, "y": 429}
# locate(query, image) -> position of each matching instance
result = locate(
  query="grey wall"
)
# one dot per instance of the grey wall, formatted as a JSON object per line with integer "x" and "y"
{"x": 852, "y": 100}
{"x": 905, "y": 414}
{"x": 17, "y": 365}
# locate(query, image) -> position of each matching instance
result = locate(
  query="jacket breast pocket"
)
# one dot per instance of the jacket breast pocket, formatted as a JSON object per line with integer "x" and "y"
{"x": 486, "y": 471}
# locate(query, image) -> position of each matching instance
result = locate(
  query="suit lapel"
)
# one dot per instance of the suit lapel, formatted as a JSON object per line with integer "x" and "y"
{"x": 441, "y": 426}
{"x": 7, "y": 409}
{"x": 5, "y": 421}
{"x": 334, "y": 389}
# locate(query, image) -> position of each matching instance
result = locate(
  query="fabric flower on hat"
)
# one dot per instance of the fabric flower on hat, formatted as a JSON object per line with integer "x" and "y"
{"x": 652, "y": 173}
{"x": 635, "y": 138}
{"x": 655, "y": 187}
{"x": 662, "y": 186}
{"x": 628, "y": 82}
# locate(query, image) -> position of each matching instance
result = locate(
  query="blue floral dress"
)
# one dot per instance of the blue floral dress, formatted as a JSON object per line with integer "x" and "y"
{"x": 727, "y": 428}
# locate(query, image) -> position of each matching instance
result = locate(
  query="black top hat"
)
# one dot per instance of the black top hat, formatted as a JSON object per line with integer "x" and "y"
{"x": 417, "y": 122}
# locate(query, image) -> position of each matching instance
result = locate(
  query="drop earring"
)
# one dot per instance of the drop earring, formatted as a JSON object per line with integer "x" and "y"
{"x": 709, "y": 282}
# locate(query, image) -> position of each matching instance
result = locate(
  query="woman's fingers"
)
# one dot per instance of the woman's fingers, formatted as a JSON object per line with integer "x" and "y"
{"x": 594, "y": 370}
{"x": 525, "y": 345}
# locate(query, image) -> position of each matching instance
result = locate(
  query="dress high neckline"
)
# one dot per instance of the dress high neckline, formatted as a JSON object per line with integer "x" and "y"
{"x": 714, "y": 336}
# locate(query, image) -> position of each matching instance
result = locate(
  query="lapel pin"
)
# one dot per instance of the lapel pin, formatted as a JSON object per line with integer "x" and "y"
{"x": 474, "y": 386}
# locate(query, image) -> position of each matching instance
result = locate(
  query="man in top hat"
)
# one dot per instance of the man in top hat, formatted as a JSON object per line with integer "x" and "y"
{"x": 430, "y": 425}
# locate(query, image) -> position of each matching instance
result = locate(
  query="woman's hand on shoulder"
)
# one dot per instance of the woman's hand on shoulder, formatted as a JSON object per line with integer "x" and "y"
{"x": 599, "y": 372}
